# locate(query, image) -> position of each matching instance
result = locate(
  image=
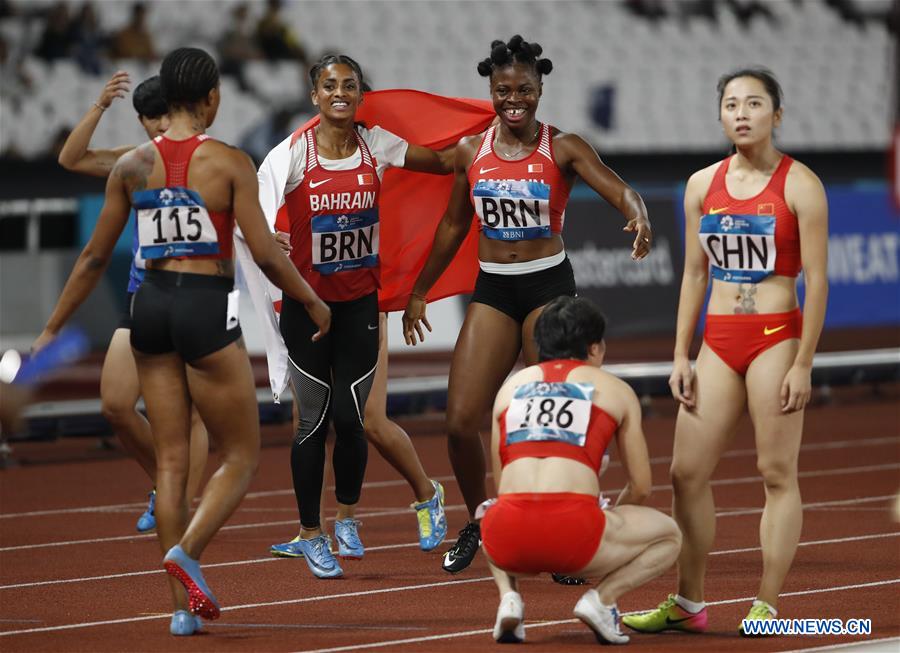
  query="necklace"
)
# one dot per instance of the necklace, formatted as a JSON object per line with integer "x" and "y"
{"x": 522, "y": 146}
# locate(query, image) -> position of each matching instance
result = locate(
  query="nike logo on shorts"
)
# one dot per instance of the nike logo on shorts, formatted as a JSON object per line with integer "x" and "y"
{"x": 716, "y": 211}
{"x": 482, "y": 171}
{"x": 767, "y": 331}
{"x": 371, "y": 327}
{"x": 316, "y": 184}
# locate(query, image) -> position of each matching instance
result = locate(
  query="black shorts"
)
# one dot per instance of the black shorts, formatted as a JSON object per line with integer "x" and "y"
{"x": 125, "y": 319}
{"x": 190, "y": 314}
{"x": 519, "y": 294}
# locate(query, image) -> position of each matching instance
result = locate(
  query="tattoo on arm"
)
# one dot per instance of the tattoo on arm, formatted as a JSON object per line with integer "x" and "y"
{"x": 135, "y": 167}
{"x": 746, "y": 299}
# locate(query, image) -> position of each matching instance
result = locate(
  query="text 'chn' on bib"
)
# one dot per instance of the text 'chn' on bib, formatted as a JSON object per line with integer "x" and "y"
{"x": 740, "y": 248}
{"x": 549, "y": 412}
{"x": 344, "y": 242}
{"x": 173, "y": 221}
{"x": 513, "y": 209}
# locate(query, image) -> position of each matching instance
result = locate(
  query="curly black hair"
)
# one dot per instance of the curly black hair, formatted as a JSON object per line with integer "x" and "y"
{"x": 517, "y": 50}
{"x": 187, "y": 75}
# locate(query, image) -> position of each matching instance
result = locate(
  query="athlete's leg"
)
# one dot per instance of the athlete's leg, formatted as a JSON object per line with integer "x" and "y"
{"x": 167, "y": 398}
{"x": 485, "y": 352}
{"x": 310, "y": 368}
{"x": 529, "y": 346}
{"x": 392, "y": 442}
{"x": 701, "y": 435}
{"x": 222, "y": 388}
{"x": 638, "y": 544}
{"x": 778, "y": 437}
{"x": 199, "y": 454}
{"x": 119, "y": 392}
{"x": 354, "y": 362}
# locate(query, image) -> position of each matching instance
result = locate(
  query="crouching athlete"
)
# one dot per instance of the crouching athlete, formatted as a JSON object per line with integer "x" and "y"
{"x": 552, "y": 423}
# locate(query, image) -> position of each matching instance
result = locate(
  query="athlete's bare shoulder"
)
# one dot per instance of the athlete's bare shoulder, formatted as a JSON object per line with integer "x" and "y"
{"x": 702, "y": 179}
{"x": 134, "y": 167}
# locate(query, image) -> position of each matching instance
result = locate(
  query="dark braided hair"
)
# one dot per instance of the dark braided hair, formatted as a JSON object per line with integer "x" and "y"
{"x": 187, "y": 75}
{"x": 316, "y": 71}
{"x": 518, "y": 50}
{"x": 147, "y": 98}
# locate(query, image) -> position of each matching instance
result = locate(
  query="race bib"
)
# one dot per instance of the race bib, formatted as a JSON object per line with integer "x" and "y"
{"x": 348, "y": 241}
{"x": 513, "y": 210}
{"x": 558, "y": 412}
{"x": 741, "y": 248}
{"x": 173, "y": 222}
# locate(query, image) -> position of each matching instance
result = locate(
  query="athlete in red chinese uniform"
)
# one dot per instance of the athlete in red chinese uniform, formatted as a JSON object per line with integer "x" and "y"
{"x": 552, "y": 424}
{"x": 516, "y": 177}
{"x": 754, "y": 220}
{"x": 188, "y": 190}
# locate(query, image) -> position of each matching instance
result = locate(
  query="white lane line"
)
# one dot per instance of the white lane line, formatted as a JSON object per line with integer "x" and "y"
{"x": 309, "y": 599}
{"x": 235, "y": 563}
{"x": 404, "y": 511}
{"x": 231, "y": 527}
{"x": 878, "y": 645}
{"x": 810, "y": 506}
{"x": 836, "y": 540}
{"x": 545, "y": 624}
{"x": 735, "y": 453}
{"x": 388, "y": 547}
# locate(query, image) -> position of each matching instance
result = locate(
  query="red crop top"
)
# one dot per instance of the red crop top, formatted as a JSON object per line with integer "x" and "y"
{"x": 554, "y": 418}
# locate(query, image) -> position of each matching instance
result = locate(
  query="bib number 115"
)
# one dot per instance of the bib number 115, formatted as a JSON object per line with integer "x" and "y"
{"x": 168, "y": 225}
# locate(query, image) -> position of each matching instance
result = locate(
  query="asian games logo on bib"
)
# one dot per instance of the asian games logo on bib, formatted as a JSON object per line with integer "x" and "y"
{"x": 727, "y": 223}
{"x": 166, "y": 196}
{"x": 343, "y": 222}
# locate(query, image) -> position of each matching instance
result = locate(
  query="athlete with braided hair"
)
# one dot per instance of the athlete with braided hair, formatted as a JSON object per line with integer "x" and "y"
{"x": 516, "y": 177}
{"x": 119, "y": 385}
{"x": 188, "y": 190}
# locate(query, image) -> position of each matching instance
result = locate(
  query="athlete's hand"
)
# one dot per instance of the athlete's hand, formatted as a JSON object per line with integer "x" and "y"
{"x": 796, "y": 388}
{"x": 117, "y": 86}
{"x": 681, "y": 382}
{"x": 643, "y": 239}
{"x": 413, "y": 319}
{"x": 321, "y": 315}
{"x": 284, "y": 241}
{"x": 42, "y": 341}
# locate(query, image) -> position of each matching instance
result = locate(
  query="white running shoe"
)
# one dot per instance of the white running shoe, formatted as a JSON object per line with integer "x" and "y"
{"x": 510, "y": 625}
{"x": 603, "y": 620}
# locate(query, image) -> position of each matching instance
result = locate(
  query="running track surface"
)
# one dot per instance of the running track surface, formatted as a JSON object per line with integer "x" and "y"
{"x": 75, "y": 577}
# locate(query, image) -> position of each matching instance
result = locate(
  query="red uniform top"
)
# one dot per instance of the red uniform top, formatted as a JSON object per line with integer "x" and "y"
{"x": 518, "y": 200}
{"x": 555, "y": 418}
{"x": 185, "y": 234}
{"x": 334, "y": 225}
{"x": 747, "y": 240}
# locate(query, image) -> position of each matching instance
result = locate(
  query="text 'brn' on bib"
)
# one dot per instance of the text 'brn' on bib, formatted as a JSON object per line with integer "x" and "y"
{"x": 513, "y": 209}
{"x": 343, "y": 242}
{"x": 555, "y": 412}
{"x": 173, "y": 221}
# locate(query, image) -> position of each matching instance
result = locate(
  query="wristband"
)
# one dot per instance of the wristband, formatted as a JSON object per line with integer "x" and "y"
{"x": 100, "y": 106}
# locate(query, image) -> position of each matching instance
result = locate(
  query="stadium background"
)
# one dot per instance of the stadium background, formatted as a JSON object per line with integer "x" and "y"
{"x": 636, "y": 78}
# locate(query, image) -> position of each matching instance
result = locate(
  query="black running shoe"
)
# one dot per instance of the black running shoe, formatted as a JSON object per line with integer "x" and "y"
{"x": 463, "y": 552}
{"x": 564, "y": 579}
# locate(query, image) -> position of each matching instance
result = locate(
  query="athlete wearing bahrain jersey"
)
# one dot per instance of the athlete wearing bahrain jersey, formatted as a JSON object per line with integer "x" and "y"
{"x": 552, "y": 423}
{"x": 516, "y": 178}
{"x": 522, "y": 199}
{"x": 334, "y": 213}
{"x": 188, "y": 191}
